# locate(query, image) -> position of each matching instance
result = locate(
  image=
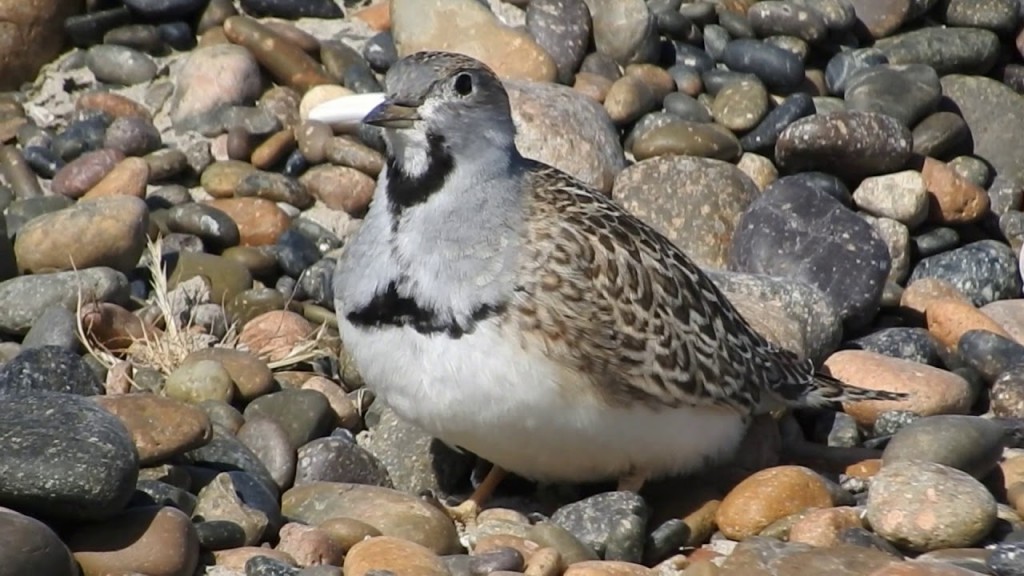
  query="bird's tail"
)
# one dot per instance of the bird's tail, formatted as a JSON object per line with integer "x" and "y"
{"x": 825, "y": 390}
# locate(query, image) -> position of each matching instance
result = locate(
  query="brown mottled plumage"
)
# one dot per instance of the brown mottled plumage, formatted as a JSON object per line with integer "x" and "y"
{"x": 619, "y": 301}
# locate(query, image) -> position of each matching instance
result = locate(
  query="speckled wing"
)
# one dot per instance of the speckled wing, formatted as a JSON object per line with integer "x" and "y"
{"x": 614, "y": 299}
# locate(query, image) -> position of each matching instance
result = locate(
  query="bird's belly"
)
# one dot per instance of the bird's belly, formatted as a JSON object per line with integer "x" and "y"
{"x": 486, "y": 393}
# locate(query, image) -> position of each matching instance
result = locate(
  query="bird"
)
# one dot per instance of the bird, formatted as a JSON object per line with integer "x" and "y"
{"x": 509, "y": 309}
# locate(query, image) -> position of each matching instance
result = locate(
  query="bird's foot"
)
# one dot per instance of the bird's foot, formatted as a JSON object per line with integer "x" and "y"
{"x": 464, "y": 514}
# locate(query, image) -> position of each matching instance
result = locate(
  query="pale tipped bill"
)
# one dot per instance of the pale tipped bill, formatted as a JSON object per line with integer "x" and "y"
{"x": 347, "y": 111}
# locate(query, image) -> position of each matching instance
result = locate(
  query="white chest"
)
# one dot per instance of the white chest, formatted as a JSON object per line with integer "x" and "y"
{"x": 513, "y": 406}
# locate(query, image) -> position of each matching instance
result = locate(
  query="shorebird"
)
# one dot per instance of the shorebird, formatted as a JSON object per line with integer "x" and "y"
{"x": 508, "y": 308}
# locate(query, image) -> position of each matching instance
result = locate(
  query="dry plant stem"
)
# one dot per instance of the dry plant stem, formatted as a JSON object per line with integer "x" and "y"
{"x": 165, "y": 351}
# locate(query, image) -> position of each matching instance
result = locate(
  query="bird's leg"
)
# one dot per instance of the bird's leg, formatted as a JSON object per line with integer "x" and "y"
{"x": 633, "y": 481}
{"x": 466, "y": 512}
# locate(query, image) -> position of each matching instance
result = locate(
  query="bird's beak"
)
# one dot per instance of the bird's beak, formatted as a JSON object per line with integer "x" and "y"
{"x": 390, "y": 115}
{"x": 347, "y": 111}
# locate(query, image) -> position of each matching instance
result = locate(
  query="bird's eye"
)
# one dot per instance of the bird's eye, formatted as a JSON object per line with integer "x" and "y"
{"x": 463, "y": 84}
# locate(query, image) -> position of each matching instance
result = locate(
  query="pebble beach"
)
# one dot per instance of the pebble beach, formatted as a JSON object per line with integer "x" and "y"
{"x": 175, "y": 399}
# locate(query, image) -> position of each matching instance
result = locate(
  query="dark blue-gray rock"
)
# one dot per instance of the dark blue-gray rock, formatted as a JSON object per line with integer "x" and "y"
{"x": 292, "y": 9}
{"x": 684, "y": 106}
{"x": 907, "y": 92}
{"x": 613, "y": 524}
{"x": 652, "y": 120}
{"x": 839, "y": 15}
{"x": 1005, "y": 195}
{"x": 64, "y": 457}
{"x": 779, "y": 69}
{"x": 601, "y": 65}
{"x": 1007, "y": 559}
{"x": 334, "y": 459}
{"x": 989, "y": 353}
{"x": 415, "y": 461}
{"x": 43, "y": 161}
{"x": 302, "y": 414}
{"x": 295, "y": 164}
{"x": 257, "y": 121}
{"x": 1011, "y": 227}
{"x": 217, "y": 230}
{"x": 985, "y": 271}
{"x": 845, "y": 65}
{"x": 776, "y": 18}
{"x": 890, "y": 422}
{"x": 666, "y": 540}
{"x": 716, "y": 79}
{"x": 1000, "y": 16}
{"x": 715, "y": 40}
{"x": 268, "y": 440}
{"x": 763, "y": 137}
{"x": 934, "y": 241}
{"x": 316, "y": 284}
{"x": 693, "y": 57}
{"x": 120, "y": 64}
{"x": 674, "y": 26}
{"x": 19, "y": 212}
{"x": 736, "y": 23}
{"x": 940, "y": 134}
{"x": 296, "y": 253}
{"x": 254, "y": 494}
{"x": 132, "y": 136}
{"x": 1006, "y": 398}
{"x": 31, "y": 547}
{"x": 177, "y": 35}
{"x": 500, "y": 559}
{"x": 324, "y": 239}
{"x": 822, "y": 182}
{"x": 851, "y": 145}
{"x": 349, "y": 67}
{"x": 796, "y": 232}
{"x": 380, "y": 51}
{"x": 157, "y": 493}
{"x": 165, "y": 9}
{"x": 947, "y": 50}
{"x": 969, "y": 443}
{"x": 87, "y": 29}
{"x": 57, "y": 326}
{"x": 562, "y": 28}
{"x": 219, "y": 534}
{"x": 267, "y": 566}
{"x": 808, "y": 307}
{"x": 914, "y": 344}
{"x": 142, "y": 37}
{"x": 49, "y": 369}
{"x": 224, "y": 453}
{"x": 81, "y": 136}
{"x": 993, "y": 113}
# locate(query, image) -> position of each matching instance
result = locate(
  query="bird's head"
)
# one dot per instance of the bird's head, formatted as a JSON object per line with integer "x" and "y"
{"x": 441, "y": 99}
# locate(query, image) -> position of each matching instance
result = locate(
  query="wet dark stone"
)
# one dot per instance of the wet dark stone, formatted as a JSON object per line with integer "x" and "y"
{"x": 380, "y": 51}
{"x": 88, "y": 29}
{"x": 797, "y": 232}
{"x": 43, "y": 161}
{"x": 63, "y": 457}
{"x": 762, "y": 138}
{"x": 292, "y": 9}
{"x": 914, "y": 344}
{"x": 779, "y": 69}
{"x": 50, "y": 369}
{"x": 219, "y": 534}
